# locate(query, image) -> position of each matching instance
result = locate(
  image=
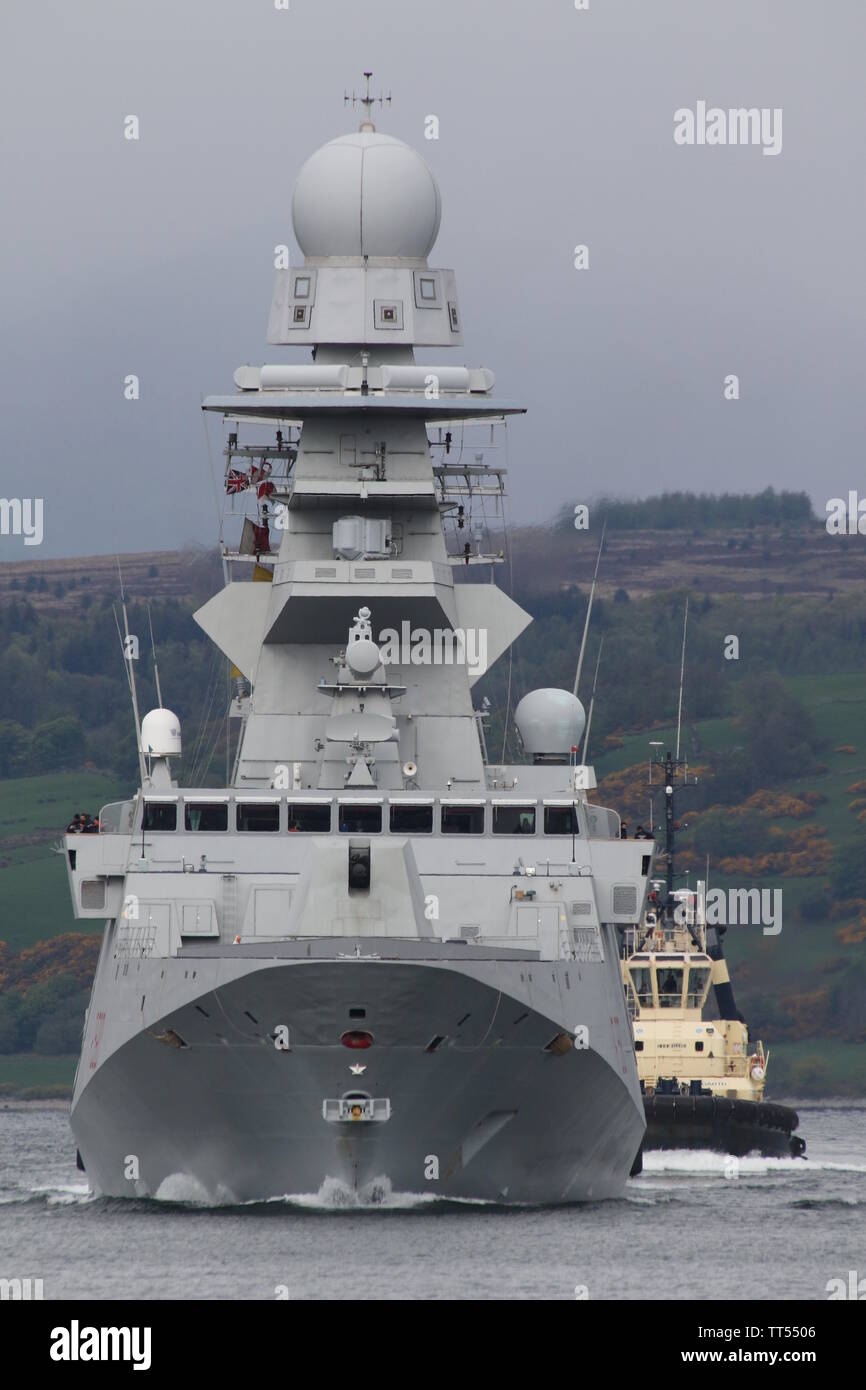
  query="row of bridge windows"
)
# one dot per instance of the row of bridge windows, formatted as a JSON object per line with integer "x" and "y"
{"x": 359, "y": 818}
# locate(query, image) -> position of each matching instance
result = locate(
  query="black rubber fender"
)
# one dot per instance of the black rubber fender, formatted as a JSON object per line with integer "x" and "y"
{"x": 665, "y": 1107}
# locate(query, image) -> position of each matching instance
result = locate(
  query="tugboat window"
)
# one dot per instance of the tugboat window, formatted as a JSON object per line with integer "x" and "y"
{"x": 207, "y": 815}
{"x": 462, "y": 820}
{"x": 160, "y": 815}
{"x": 561, "y": 820}
{"x": 309, "y": 817}
{"x": 698, "y": 976}
{"x": 514, "y": 820}
{"x": 254, "y": 815}
{"x": 363, "y": 820}
{"x": 642, "y": 981}
{"x": 670, "y": 986}
{"x": 412, "y": 820}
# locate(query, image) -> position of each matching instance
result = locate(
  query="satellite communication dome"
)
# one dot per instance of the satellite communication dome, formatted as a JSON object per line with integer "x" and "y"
{"x": 160, "y": 734}
{"x": 366, "y": 194}
{"x": 550, "y": 722}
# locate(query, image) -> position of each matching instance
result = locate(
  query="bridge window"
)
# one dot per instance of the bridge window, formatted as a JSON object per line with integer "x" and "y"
{"x": 160, "y": 815}
{"x": 603, "y": 824}
{"x": 514, "y": 820}
{"x": 642, "y": 983}
{"x": 206, "y": 815}
{"x": 359, "y": 818}
{"x": 697, "y": 983}
{"x": 309, "y": 817}
{"x": 561, "y": 820}
{"x": 670, "y": 982}
{"x": 462, "y": 820}
{"x": 258, "y": 815}
{"x": 410, "y": 819}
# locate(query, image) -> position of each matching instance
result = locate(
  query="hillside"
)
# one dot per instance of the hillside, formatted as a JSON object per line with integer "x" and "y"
{"x": 62, "y": 586}
{"x": 753, "y": 561}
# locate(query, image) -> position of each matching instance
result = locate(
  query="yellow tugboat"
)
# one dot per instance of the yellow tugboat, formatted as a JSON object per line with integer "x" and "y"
{"x": 702, "y": 1080}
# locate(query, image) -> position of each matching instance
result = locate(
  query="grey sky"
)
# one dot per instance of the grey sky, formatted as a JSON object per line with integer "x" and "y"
{"x": 556, "y": 128}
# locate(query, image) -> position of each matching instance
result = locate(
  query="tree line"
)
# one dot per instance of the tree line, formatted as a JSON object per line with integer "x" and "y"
{"x": 676, "y": 511}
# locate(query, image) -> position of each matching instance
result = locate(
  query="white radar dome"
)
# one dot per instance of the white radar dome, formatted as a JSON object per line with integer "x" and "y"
{"x": 160, "y": 734}
{"x": 550, "y": 722}
{"x": 366, "y": 194}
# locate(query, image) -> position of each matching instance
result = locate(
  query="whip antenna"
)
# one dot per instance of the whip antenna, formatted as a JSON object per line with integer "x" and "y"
{"x": 682, "y": 674}
{"x": 588, "y": 613}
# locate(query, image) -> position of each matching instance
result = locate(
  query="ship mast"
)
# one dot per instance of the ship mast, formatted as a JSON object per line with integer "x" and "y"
{"x": 126, "y": 649}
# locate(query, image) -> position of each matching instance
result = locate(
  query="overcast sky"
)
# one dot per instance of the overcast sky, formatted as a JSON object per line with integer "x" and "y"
{"x": 556, "y": 128}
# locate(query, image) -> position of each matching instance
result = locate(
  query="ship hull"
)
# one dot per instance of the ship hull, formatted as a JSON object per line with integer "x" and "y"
{"x": 737, "y": 1127}
{"x": 201, "y": 1100}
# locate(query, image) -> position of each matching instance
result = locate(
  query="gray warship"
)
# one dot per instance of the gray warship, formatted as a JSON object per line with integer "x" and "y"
{"x": 374, "y": 957}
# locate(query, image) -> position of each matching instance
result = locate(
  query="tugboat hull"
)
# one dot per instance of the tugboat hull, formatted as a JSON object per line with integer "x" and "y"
{"x": 737, "y": 1127}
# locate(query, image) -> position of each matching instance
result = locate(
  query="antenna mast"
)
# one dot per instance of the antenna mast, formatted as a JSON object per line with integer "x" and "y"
{"x": 592, "y": 699}
{"x": 125, "y": 647}
{"x": 153, "y": 649}
{"x": 682, "y": 675}
{"x": 588, "y": 613}
{"x": 368, "y": 101}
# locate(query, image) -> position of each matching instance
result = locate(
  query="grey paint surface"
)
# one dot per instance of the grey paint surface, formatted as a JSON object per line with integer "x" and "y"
{"x": 484, "y": 965}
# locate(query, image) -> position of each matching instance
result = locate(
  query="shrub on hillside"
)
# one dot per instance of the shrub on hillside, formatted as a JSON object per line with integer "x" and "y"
{"x": 721, "y": 835}
{"x": 815, "y": 904}
{"x": 848, "y": 872}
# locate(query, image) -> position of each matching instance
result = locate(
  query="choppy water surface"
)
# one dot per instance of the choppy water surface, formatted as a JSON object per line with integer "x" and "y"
{"x": 685, "y": 1229}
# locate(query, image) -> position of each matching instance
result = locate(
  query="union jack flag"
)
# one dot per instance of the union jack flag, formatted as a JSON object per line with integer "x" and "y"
{"x": 236, "y": 481}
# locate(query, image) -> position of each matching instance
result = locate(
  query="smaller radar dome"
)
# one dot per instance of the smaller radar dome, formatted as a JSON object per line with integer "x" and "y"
{"x": 160, "y": 734}
{"x": 363, "y": 656}
{"x": 550, "y": 722}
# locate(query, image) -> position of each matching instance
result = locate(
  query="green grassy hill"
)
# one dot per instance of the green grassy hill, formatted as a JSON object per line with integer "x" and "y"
{"x": 30, "y": 1076}
{"x": 34, "y": 813}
